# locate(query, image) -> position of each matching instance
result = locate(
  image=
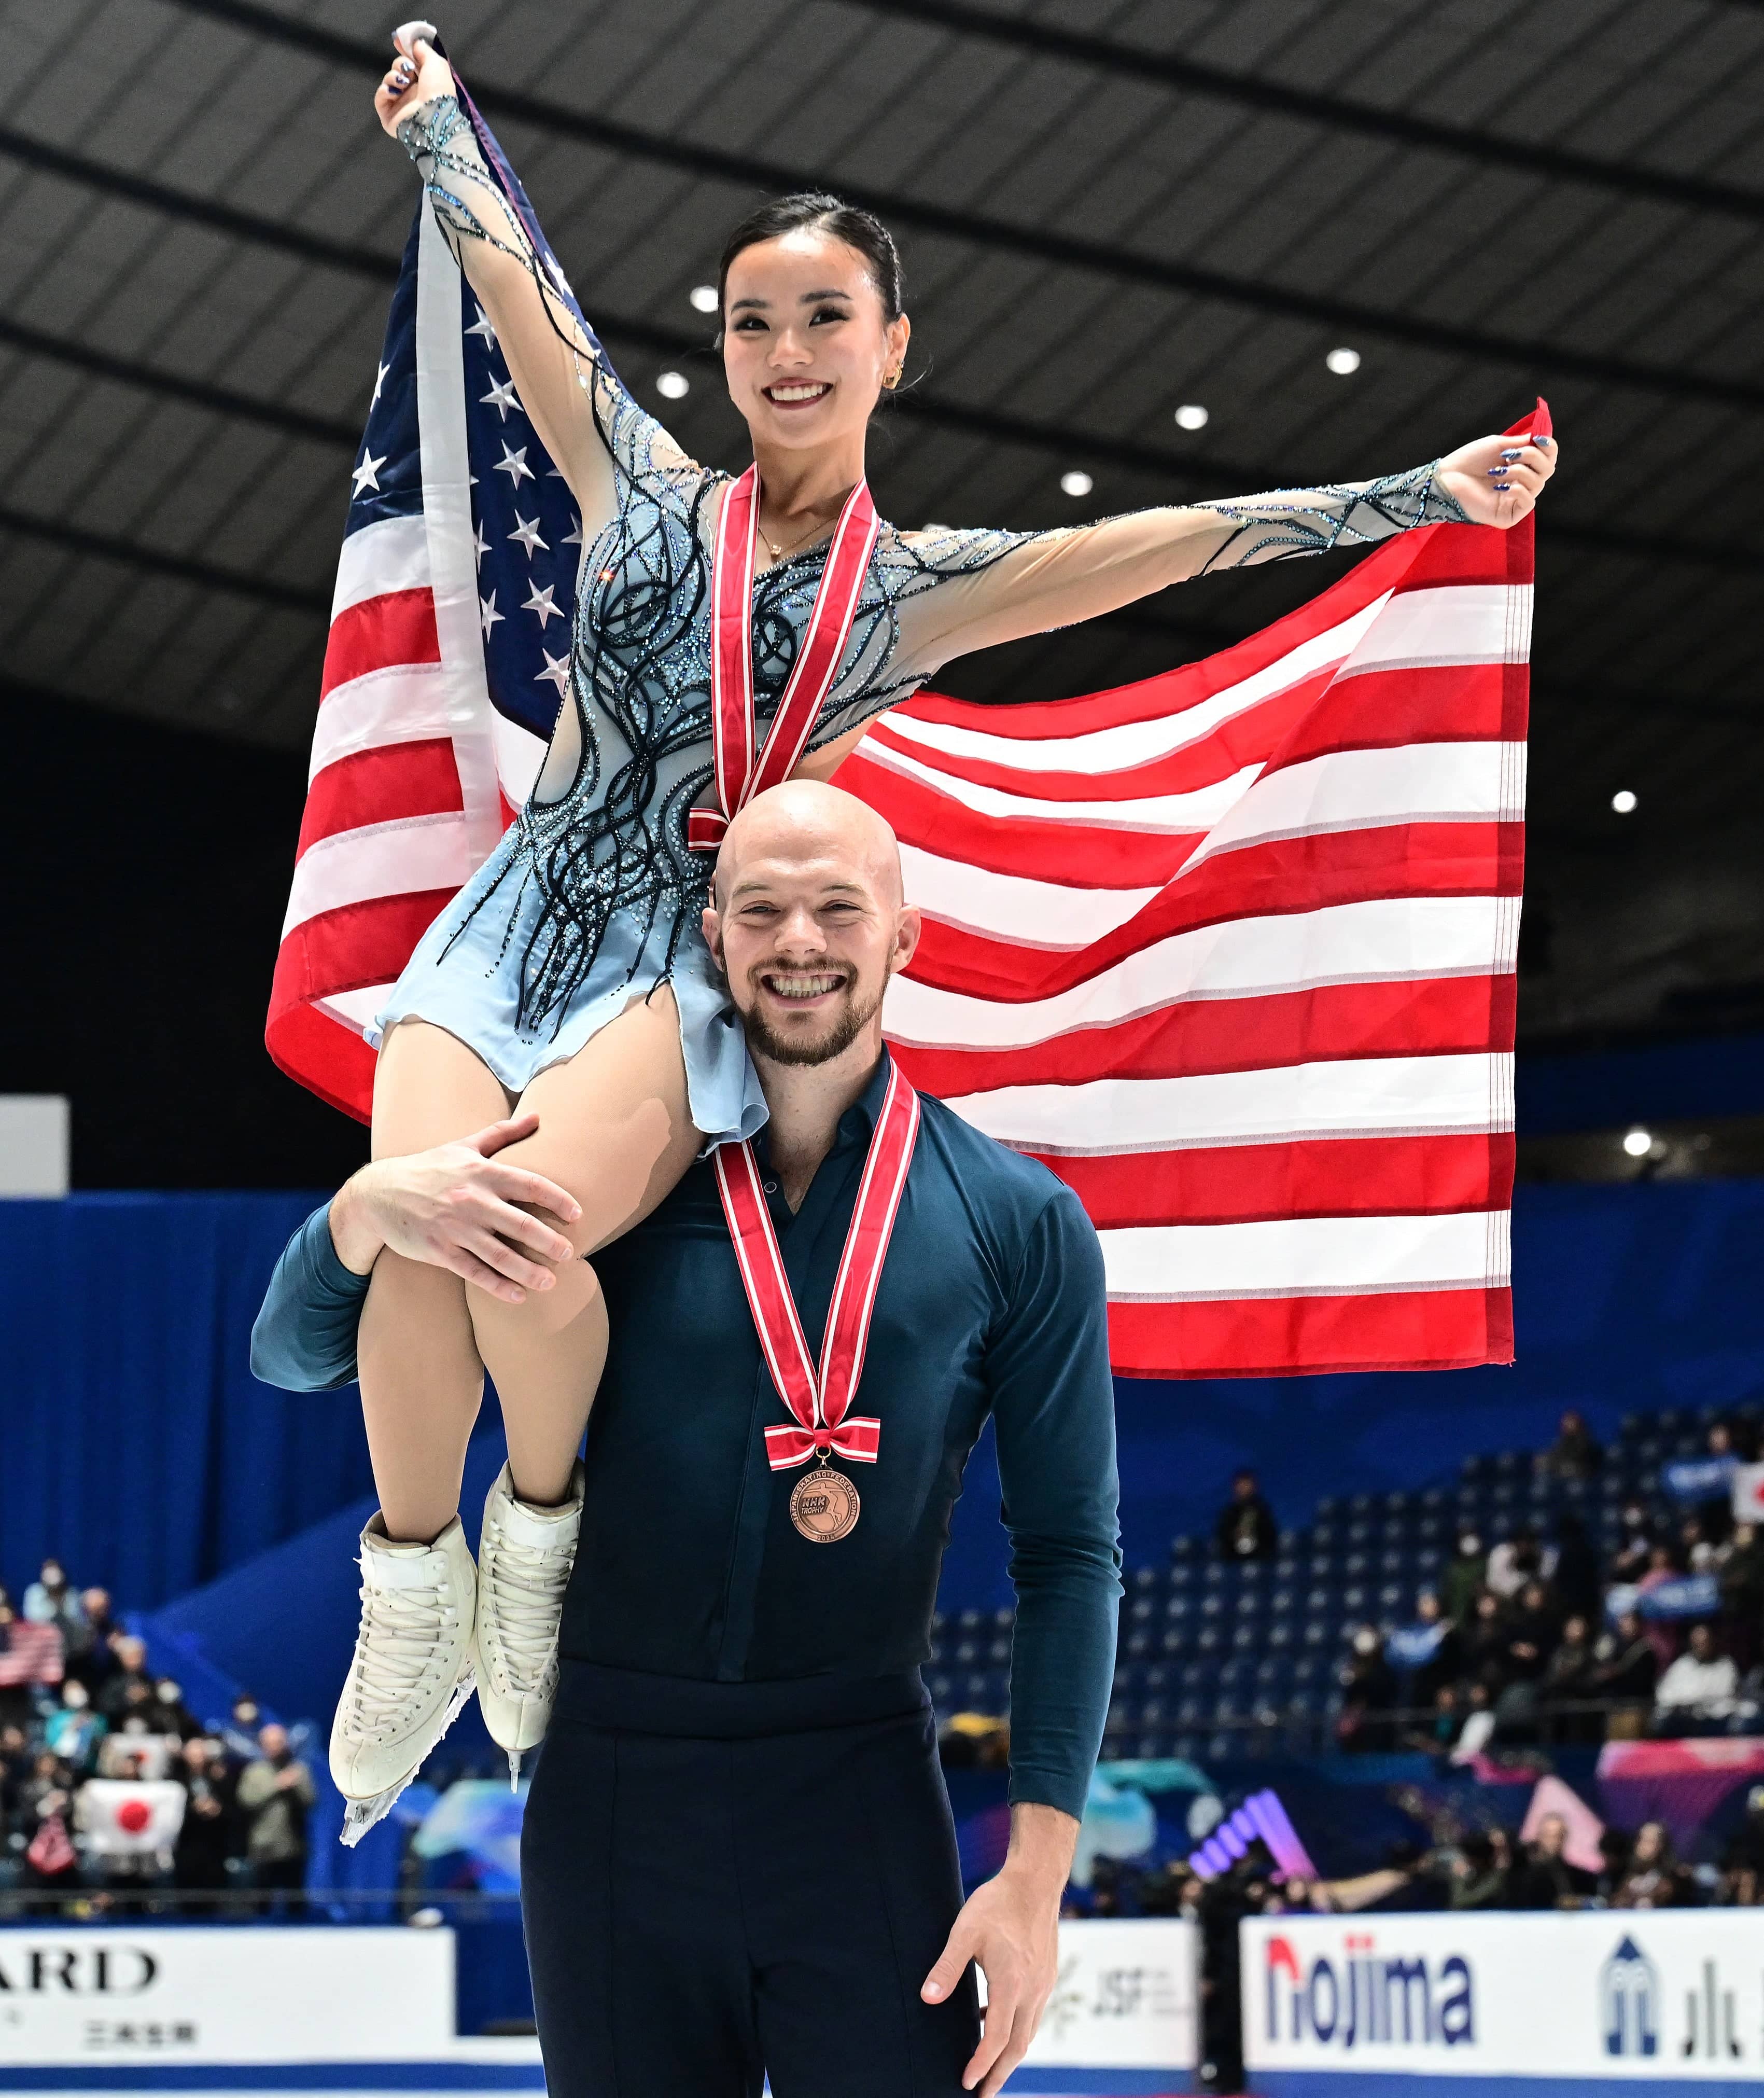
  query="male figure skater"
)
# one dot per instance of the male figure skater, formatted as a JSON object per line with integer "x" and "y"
{"x": 738, "y": 1858}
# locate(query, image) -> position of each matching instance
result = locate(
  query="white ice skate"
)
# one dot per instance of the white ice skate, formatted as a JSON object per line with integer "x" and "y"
{"x": 524, "y": 1557}
{"x": 411, "y": 1673}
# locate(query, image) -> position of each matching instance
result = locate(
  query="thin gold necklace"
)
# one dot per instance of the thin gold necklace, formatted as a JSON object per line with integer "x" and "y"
{"x": 778, "y": 552}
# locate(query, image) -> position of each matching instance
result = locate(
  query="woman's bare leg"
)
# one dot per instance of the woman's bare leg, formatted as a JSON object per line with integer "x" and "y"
{"x": 422, "y": 1377}
{"x": 614, "y": 1129}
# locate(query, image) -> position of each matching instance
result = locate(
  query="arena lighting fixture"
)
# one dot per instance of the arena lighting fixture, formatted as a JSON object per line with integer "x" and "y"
{"x": 1638, "y": 1142}
{"x": 703, "y": 298}
{"x": 1191, "y": 416}
{"x": 1077, "y": 482}
{"x": 671, "y": 385}
{"x": 1622, "y": 800}
{"x": 1342, "y": 361}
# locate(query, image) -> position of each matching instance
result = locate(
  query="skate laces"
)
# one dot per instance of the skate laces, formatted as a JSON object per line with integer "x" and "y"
{"x": 404, "y": 1633}
{"x": 524, "y": 1584}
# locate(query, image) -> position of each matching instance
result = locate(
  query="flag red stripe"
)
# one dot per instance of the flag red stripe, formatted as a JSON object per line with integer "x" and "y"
{"x": 399, "y": 780}
{"x": 1272, "y": 880}
{"x": 1443, "y": 1016}
{"x": 396, "y": 627}
{"x": 1427, "y": 1329}
{"x": 1376, "y": 710}
{"x": 1257, "y": 1183}
{"x": 361, "y": 944}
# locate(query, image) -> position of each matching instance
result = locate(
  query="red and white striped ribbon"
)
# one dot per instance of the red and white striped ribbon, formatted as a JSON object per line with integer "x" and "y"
{"x": 818, "y": 1400}
{"x": 739, "y": 774}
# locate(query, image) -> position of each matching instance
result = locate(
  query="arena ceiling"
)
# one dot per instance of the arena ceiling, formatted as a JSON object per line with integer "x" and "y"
{"x": 1109, "y": 209}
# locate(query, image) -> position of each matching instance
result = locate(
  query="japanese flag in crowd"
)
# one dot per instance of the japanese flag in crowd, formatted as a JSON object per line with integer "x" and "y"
{"x": 1749, "y": 1493}
{"x": 123, "y": 1817}
{"x": 1231, "y": 950}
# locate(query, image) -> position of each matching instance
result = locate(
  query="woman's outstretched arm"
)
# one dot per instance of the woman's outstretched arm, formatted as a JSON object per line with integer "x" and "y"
{"x": 1057, "y": 579}
{"x": 569, "y": 392}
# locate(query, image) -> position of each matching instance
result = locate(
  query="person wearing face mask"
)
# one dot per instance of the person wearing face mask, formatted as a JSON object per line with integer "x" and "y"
{"x": 570, "y": 977}
{"x": 739, "y": 1810}
{"x": 73, "y": 1730}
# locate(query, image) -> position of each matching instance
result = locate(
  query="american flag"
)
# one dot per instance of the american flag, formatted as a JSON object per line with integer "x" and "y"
{"x": 1233, "y": 950}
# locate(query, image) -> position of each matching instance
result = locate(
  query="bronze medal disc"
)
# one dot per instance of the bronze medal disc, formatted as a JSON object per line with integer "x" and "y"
{"x": 824, "y": 1506}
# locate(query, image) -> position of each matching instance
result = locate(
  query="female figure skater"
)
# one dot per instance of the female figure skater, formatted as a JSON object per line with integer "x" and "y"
{"x": 569, "y": 975}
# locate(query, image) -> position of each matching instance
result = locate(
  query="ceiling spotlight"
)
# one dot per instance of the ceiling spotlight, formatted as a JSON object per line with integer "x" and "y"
{"x": 1342, "y": 361}
{"x": 1623, "y": 802}
{"x": 1191, "y": 416}
{"x": 671, "y": 385}
{"x": 1638, "y": 1142}
{"x": 1077, "y": 482}
{"x": 703, "y": 298}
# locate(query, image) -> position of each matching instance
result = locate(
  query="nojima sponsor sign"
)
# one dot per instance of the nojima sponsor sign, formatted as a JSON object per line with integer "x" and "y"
{"x": 1603, "y": 1995}
{"x": 117, "y": 1997}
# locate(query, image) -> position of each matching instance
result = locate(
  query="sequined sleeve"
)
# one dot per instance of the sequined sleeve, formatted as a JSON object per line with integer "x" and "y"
{"x": 1045, "y": 580}
{"x": 603, "y": 442}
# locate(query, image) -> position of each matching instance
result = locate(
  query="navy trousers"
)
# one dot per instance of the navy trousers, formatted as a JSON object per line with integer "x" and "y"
{"x": 701, "y": 1912}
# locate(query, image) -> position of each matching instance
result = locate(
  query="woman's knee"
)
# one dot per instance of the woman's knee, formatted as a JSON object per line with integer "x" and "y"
{"x": 544, "y": 1314}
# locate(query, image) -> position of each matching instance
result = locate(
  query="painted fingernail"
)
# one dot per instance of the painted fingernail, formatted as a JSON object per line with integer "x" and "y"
{"x": 1495, "y": 470}
{"x": 1510, "y": 455}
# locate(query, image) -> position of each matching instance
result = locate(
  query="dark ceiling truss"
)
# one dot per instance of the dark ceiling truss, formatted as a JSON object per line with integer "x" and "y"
{"x": 1542, "y": 361}
{"x": 1332, "y": 113}
{"x": 1056, "y": 441}
{"x": 206, "y": 575}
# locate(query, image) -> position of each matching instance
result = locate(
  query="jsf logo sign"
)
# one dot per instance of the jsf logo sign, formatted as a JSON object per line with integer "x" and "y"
{"x": 1629, "y": 2002}
{"x": 1368, "y": 1997}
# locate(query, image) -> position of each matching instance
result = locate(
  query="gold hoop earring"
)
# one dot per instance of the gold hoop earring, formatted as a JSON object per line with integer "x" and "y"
{"x": 891, "y": 379}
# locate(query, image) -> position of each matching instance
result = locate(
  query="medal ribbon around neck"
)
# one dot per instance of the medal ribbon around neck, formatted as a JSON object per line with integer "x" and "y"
{"x": 818, "y": 1400}
{"x": 740, "y": 775}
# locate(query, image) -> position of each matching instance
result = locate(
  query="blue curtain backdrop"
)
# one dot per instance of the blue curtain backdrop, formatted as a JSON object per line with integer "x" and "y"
{"x": 136, "y": 1443}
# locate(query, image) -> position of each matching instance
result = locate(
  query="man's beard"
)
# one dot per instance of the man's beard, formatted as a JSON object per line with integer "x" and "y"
{"x": 842, "y": 1032}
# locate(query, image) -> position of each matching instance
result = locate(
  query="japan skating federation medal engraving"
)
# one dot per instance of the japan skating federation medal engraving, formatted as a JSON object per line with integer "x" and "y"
{"x": 824, "y": 1506}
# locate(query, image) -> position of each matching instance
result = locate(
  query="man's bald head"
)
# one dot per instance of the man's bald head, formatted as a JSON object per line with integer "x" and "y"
{"x": 805, "y": 820}
{"x": 807, "y": 923}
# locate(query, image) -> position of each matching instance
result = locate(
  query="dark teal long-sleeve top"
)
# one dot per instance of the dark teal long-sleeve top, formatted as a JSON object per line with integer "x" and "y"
{"x": 991, "y": 1301}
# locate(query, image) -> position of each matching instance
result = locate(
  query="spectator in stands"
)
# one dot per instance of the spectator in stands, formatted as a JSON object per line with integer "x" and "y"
{"x": 49, "y": 1600}
{"x": 275, "y": 1795}
{"x": 1517, "y": 1560}
{"x": 1437, "y": 1734}
{"x": 170, "y": 1714}
{"x": 1700, "y": 1686}
{"x": 1628, "y": 1562}
{"x": 1425, "y": 1652}
{"x": 93, "y": 1653}
{"x": 238, "y": 1737}
{"x": 1697, "y": 1553}
{"x": 1742, "y": 1596}
{"x": 1477, "y": 1872}
{"x": 46, "y": 1806}
{"x": 1573, "y": 1455}
{"x": 1463, "y": 1579}
{"x": 1567, "y": 1680}
{"x": 1532, "y": 1632}
{"x": 1575, "y": 1575}
{"x": 117, "y": 1699}
{"x": 205, "y": 1841}
{"x": 1742, "y": 1864}
{"x": 1485, "y": 1643}
{"x": 1716, "y": 1514}
{"x": 1662, "y": 1635}
{"x": 73, "y": 1730}
{"x": 1543, "y": 1878}
{"x": 1368, "y": 1692}
{"x": 1653, "y": 1878}
{"x": 1246, "y": 1529}
{"x": 1477, "y": 1732}
{"x": 1628, "y": 1666}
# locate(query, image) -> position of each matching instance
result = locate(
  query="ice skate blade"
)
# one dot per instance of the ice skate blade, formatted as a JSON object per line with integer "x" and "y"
{"x": 359, "y": 1815}
{"x": 514, "y": 1770}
